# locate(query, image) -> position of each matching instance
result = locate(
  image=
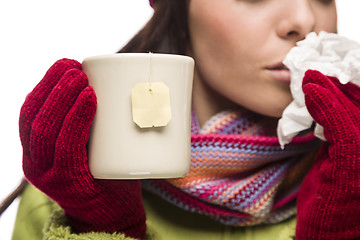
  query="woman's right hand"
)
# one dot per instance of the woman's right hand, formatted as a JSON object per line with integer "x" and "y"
{"x": 54, "y": 124}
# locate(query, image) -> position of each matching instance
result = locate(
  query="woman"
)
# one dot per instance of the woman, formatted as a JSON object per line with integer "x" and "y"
{"x": 241, "y": 85}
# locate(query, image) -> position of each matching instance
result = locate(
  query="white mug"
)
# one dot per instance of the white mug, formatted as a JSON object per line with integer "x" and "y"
{"x": 121, "y": 146}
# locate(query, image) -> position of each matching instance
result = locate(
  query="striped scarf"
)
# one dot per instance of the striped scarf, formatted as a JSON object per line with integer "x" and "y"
{"x": 237, "y": 168}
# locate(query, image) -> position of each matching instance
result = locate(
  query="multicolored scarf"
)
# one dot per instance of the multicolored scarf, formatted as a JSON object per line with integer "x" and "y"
{"x": 237, "y": 168}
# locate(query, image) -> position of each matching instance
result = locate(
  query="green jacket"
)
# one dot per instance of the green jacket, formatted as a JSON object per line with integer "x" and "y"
{"x": 40, "y": 218}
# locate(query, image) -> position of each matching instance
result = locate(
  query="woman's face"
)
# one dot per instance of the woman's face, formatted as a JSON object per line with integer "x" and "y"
{"x": 239, "y": 45}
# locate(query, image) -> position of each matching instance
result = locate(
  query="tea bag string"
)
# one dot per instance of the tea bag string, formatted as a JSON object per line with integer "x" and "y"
{"x": 150, "y": 73}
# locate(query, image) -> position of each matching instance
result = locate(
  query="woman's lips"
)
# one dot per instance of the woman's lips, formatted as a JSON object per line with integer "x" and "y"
{"x": 279, "y": 72}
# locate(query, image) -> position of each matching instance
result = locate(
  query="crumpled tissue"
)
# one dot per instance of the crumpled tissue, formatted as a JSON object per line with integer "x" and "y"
{"x": 328, "y": 53}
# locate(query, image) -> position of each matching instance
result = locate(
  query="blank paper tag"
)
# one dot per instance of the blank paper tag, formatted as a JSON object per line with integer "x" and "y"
{"x": 151, "y": 104}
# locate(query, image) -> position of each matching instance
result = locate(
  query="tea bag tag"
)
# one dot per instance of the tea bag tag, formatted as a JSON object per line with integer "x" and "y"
{"x": 151, "y": 104}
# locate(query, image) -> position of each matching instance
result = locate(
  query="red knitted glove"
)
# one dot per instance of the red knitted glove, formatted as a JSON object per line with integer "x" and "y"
{"x": 54, "y": 129}
{"x": 329, "y": 198}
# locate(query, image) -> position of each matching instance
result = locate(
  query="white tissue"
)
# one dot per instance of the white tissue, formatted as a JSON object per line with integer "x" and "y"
{"x": 332, "y": 55}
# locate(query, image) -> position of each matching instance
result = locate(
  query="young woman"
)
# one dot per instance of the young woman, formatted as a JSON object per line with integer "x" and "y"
{"x": 241, "y": 184}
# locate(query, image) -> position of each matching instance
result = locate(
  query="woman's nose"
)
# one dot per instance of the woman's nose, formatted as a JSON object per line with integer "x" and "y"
{"x": 298, "y": 20}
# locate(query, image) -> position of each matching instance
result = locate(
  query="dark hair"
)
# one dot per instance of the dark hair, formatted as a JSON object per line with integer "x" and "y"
{"x": 9, "y": 199}
{"x": 166, "y": 32}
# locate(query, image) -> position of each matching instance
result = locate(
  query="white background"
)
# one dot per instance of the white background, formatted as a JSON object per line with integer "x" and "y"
{"x": 34, "y": 34}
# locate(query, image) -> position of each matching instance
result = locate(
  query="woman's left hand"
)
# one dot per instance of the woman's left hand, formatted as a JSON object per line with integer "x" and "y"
{"x": 329, "y": 198}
